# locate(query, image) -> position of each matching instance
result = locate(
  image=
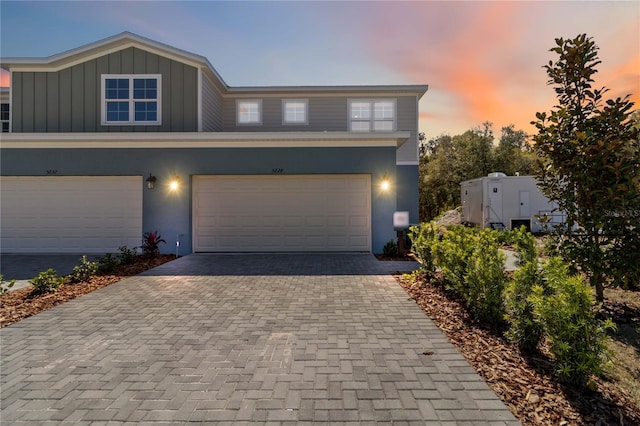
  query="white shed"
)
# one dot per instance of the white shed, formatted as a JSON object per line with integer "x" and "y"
{"x": 502, "y": 201}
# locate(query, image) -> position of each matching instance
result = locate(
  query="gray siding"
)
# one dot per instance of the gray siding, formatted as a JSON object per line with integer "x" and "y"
{"x": 69, "y": 100}
{"x": 211, "y": 106}
{"x": 408, "y": 120}
{"x": 326, "y": 113}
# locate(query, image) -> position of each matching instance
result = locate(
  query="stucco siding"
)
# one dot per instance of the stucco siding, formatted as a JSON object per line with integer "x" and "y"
{"x": 407, "y": 192}
{"x": 170, "y": 213}
{"x": 69, "y": 100}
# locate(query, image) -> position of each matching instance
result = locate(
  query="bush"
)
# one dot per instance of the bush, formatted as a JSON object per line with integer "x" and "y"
{"x": 565, "y": 307}
{"x": 525, "y": 330}
{"x": 390, "y": 249}
{"x": 85, "y": 270}
{"x": 107, "y": 262}
{"x": 151, "y": 243}
{"x": 126, "y": 255}
{"x": 46, "y": 281}
{"x": 484, "y": 281}
{"x": 423, "y": 241}
{"x": 452, "y": 255}
{"x": 5, "y": 286}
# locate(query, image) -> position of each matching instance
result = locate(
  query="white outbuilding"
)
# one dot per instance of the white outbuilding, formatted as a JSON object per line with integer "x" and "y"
{"x": 506, "y": 202}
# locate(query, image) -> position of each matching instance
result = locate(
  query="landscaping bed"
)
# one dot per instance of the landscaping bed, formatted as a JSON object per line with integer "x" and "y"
{"x": 528, "y": 384}
{"x": 19, "y": 304}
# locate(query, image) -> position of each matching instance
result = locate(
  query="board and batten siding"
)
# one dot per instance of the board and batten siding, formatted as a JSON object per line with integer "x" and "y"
{"x": 211, "y": 106}
{"x": 69, "y": 100}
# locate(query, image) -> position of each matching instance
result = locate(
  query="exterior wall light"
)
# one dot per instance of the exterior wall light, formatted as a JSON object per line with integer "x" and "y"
{"x": 174, "y": 184}
{"x": 151, "y": 181}
{"x": 385, "y": 184}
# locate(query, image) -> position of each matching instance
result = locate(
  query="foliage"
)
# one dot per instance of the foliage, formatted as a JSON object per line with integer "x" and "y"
{"x": 85, "y": 270}
{"x": 6, "y": 285}
{"x": 126, "y": 255}
{"x": 46, "y": 281}
{"x": 423, "y": 240}
{"x": 565, "y": 307}
{"x": 107, "y": 262}
{"x": 485, "y": 279}
{"x": 525, "y": 330}
{"x": 390, "y": 249}
{"x": 446, "y": 161}
{"x": 151, "y": 243}
{"x": 453, "y": 253}
{"x": 590, "y": 150}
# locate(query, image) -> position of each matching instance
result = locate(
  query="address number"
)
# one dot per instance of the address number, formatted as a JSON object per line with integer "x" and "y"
{"x": 52, "y": 172}
{"x": 277, "y": 170}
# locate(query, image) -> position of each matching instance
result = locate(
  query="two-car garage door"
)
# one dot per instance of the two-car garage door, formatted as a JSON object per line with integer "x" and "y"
{"x": 282, "y": 213}
{"x": 70, "y": 214}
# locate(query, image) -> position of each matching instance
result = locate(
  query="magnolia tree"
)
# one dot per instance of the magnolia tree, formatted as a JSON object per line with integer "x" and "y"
{"x": 590, "y": 166}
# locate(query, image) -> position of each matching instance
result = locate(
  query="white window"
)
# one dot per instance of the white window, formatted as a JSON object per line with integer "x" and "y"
{"x": 294, "y": 111}
{"x": 366, "y": 115}
{"x": 249, "y": 111}
{"x": 131, "y": 99}
{"x": 4, "y": 117}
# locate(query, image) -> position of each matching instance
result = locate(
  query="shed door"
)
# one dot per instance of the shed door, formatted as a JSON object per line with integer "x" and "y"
{"x": 70, "y": 214}
{"x": 282, "y": 213}
{"x": 495, "y": 202}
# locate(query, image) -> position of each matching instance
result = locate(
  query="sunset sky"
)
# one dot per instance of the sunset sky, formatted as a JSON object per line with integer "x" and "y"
{"x": 482, "y": 60}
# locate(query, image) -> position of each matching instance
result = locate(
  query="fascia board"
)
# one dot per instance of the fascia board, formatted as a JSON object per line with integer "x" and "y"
{"x": 202, "y": 140}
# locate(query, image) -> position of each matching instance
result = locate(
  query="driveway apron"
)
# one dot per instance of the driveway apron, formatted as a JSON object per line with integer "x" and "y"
{"x": 278, "y": 339}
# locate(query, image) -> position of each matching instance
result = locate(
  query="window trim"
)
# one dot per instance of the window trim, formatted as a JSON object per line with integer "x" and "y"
{"x": 372, "y": 119}
{"x": 132, "y": 121}
{"x": 305, "y": 121}
{"x": 258, "y": 102}
{"x": 8, "y": 120}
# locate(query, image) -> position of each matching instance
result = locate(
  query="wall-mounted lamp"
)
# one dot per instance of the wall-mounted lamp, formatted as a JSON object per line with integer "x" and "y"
{"x": 151, "y": 182}
{"x": 174, "y": 184}
{"x": 385, "y": 184}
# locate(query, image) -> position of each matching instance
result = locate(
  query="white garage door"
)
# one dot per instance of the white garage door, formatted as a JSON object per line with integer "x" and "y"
{"x": 70, "y": 214}
{"x": 282, "y": 213}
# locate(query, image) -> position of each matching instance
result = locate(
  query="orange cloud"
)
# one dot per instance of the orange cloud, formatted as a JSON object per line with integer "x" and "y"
{"x": 5, "y": 78}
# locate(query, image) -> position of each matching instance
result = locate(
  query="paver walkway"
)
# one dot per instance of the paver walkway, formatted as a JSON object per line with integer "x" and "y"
{"x": 296, "y": 339}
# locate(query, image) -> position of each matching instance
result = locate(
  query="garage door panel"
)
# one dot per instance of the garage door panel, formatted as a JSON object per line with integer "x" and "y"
{"x": 282, "y": 213}
{"x": 65, "y": 214}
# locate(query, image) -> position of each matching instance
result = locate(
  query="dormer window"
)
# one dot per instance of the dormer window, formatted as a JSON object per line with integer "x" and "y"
{"x": 131, "y": 99}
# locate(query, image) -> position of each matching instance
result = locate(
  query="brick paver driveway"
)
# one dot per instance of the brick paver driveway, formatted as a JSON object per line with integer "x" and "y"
{"x": 295, "y": 339}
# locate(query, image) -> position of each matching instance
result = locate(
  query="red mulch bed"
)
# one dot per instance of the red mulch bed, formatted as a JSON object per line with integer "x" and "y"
{"x": 526, "y": 384}
{"x": 19, "y": 304}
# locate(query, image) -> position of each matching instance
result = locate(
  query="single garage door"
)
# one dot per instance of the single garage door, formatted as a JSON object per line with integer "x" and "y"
{"x": 70, "y": 214}
{"x": 282, "y": 213}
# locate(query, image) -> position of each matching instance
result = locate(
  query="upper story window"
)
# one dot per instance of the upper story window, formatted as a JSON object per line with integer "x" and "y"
{"x": 295, "y": 111}
{"x": 249, "y": 111}
{"x": 131, "y": 99}
{"x": 4, "y": 117}
{"x": 366, "y": 115}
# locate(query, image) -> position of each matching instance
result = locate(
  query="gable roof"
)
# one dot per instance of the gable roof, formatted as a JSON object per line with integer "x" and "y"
{"x": 127, "y": 39}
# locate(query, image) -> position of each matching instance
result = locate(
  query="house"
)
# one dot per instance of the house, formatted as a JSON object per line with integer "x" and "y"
{"x": 502, "y": 201}
{"x": 127, "y": 135}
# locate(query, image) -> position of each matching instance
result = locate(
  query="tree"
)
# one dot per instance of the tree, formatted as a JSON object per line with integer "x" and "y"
{"x": 446, "y": 161}
{"x": 590, "y": 166}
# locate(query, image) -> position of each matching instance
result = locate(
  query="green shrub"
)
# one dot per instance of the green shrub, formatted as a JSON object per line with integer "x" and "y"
{"x": 484, "y": 280}
{"x": 565, "y": 307}
{"x": 452, "y": 255}
{"x": 423, "y": 241}
{"x": 525, "y": 330}
{"x": 46, "y": 281}
{"x": 85, "y": 270}
{"x": 390, "y": 249}
{"x": 126, "y": 255}
{"x": 6, "y": 285}
{"x": 107, "y": 262}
